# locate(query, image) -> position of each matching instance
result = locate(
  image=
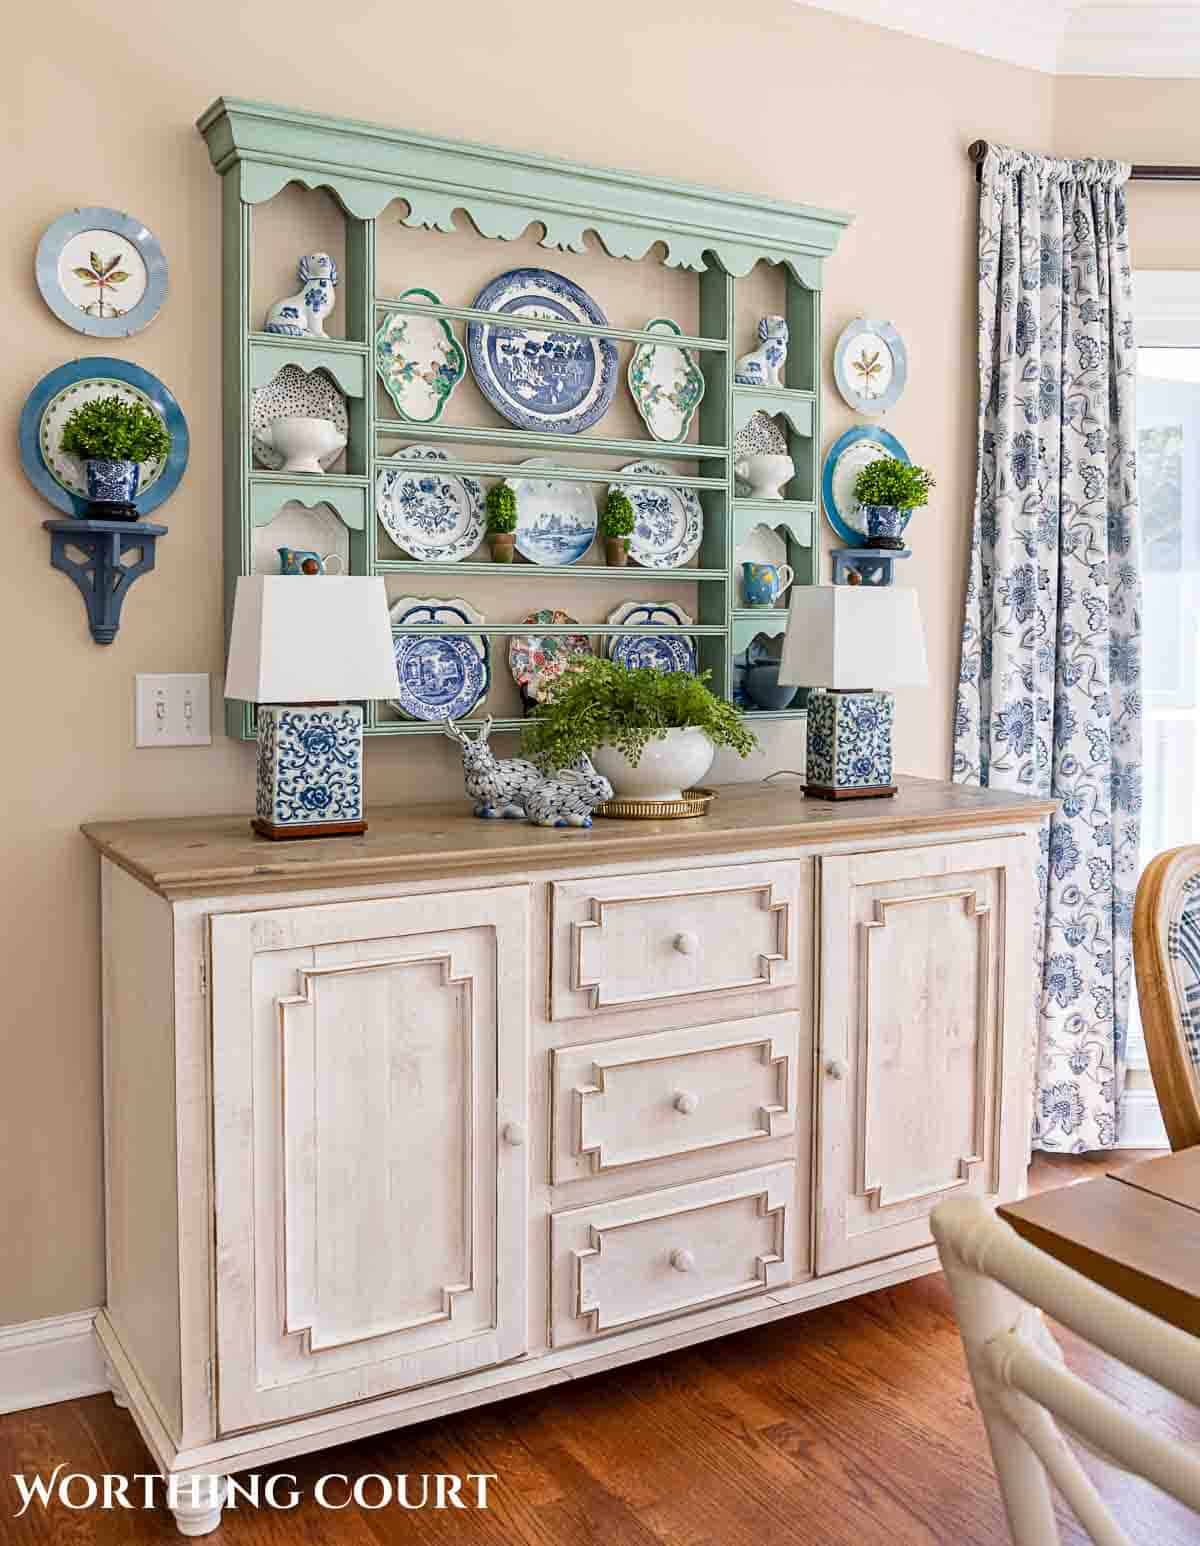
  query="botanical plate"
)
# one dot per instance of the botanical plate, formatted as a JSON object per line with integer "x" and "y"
{"x": 433, "y": 515}
{"x": 658, "y": 651}
{"x": 666, "y": 383}
{"x": 844, "y": 460}
{"x": 870, "y": 365}
{"x": 539, "y": 379}
{"x": 101, "y": 273}
{"x": 669, "y": 523}
{"x": 653, "y": 614}
{"x": 58, "y": 475}
{"x": 294, "y": 393}
{"x": 762, "y": 544}
{"x": 419, "y": 360}
{"x": 542, "y": 657}
{"x": 442, "y": 675}
{"x": 556, "y": 517}
{"x": 432, "y": 609}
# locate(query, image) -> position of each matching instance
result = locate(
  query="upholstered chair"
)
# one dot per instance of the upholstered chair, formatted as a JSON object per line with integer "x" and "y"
{"x": 1166, "y": 954}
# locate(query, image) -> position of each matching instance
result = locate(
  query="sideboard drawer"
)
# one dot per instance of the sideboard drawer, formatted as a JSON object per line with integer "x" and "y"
{"x": 627, "y": 941}
{"x": 644, "y": 1098}
{"x": 617, "y": 1264}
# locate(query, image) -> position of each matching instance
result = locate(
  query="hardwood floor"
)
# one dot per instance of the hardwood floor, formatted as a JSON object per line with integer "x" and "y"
{"x": 849, "y": 1426}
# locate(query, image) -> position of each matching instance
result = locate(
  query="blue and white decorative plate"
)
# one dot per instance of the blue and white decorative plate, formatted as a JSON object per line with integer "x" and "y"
{"x": 442, "y": 675}
{"x": 539, "y": 379}
{"x": 432, "y": 609}
{"x": 844, "y": 460}
{"x": 101, "y": 273}
{"x": 870, "y": 365}
{"x": 668, "y": 520}
{"x": 649, "y": 614}
{"x": 433, "y": 515}
{"x": 556, "y": 517}
{"x": 58, "y": 475}
{"x": 657, "y": 651}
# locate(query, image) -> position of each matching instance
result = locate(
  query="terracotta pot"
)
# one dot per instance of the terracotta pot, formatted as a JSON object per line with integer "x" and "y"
{"x": 617, "y": 551}
{"x": 502, "y": 547}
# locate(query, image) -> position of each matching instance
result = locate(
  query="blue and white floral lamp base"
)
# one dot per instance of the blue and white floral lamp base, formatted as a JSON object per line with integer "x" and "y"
{"x": 838, "y": 638}
{"x": 299, "y": 647}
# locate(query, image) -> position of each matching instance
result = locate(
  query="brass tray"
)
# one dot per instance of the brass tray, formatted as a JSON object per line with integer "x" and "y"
{"x": 695, "y": 802}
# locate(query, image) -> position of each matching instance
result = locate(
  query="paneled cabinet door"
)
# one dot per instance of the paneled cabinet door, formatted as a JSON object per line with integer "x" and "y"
{"x": 926, "y": 1013}
{"x": 370, "y": 1092}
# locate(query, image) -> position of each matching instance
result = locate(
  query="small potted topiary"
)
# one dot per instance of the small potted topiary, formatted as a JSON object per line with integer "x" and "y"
{"x": 651, "y": 733}
{"x": 616, "y": 522}
{"x": 501, "y": 506}
{"x": 889, "y": 491}
{"x": 114, "y": 438}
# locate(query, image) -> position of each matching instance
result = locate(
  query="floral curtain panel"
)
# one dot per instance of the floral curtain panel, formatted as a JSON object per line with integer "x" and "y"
{"x": 1049, "y": 698}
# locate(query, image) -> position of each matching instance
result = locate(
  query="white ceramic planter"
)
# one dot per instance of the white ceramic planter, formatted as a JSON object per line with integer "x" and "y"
{"x": 669, "y": 764}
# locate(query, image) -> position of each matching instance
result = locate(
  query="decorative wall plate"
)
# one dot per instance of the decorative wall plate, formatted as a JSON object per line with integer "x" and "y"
{"x": 556, "y": 517}
{"x": 535, "y": 658}
{"x": 101, "y": 272}
{"x": 666, "y": 383}
{"x": 442, "y": 675}
{"x": 870, "y": 365}
{"x": 537, "y": 379}
{"x": 669, "y": 523}
{"x": 419, "y": 360}
{"x": 657, "y": 651}
{"x": 293, "y": 393}
{"x": 652, "y": 614}
{"x": 432, "y": 609}
{"x": 433, "y": 515}
{"x": 844, "y": 460}
{"x": 59, "y": 476}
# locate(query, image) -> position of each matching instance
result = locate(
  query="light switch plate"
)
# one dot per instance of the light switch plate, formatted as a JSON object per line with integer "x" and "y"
{"x": 173, "y": 710}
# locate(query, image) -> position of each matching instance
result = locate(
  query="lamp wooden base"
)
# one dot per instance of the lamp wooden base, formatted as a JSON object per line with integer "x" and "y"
{"x": 867, "y": 792}
{"x": 308, "y": 829}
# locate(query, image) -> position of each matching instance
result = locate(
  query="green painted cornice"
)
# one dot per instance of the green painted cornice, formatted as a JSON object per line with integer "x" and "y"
{"x": 366, "y": 166}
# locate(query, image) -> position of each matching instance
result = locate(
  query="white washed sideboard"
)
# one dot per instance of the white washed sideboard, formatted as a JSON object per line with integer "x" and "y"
{"x": 401, "y": 1124}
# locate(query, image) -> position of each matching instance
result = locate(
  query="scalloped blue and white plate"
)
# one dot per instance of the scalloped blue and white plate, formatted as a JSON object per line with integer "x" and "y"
{"x": 431, "y": 514}
{"x": 433, "y": 609}
{"x": 442, "y": 675}
{"x": 668, "y": 521}
{"x": 656, "y": 651}
{"x": 539, "y": 379}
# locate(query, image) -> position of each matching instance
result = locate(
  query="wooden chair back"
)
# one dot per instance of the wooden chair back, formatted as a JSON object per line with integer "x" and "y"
{"x": 1166, "y": 958}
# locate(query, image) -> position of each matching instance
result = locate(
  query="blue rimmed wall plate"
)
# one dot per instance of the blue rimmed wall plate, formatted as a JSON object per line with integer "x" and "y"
{"x": 870, "y": 365}
{"x": 442, "y": 676}
{"x": 58, "y": 476}
{"x": 541, "y": 380}
{"x": 844, "y": 460}
{"x": 101, "y": 272}
{"x": 655, "y": 652}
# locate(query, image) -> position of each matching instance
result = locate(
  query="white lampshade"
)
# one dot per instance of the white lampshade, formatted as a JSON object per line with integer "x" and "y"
{"x": 310, "y": 639}
{"x": 854, "y": 636}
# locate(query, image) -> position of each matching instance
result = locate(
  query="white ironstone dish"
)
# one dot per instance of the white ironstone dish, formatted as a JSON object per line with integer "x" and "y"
{"x": 293, "y": 393}
{"x": 666, "y": 383}
{"x": 431, "y": 514}
{"x": 556, "y": 517}
{"x": 668, "y": 520}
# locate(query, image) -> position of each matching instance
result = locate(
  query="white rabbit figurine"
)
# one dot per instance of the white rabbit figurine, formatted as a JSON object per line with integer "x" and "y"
{"x": 568, "y": 797}
{"x": 499, "y": 787}
{"x": 762, "y": 366}
{"x": 302, "y": 315}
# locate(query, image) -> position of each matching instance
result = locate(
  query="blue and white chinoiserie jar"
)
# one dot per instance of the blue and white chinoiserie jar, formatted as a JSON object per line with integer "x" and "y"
{"x": 112, "y": 488}
{"x": 885, "y": 525}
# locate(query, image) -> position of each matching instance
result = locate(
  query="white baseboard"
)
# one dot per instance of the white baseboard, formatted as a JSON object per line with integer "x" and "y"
{"x": 1141, "y": 1121}
{"x": 52, "y": 1360}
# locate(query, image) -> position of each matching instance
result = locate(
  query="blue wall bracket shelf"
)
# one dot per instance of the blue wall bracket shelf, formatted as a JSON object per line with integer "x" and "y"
{"x": 874, "y": 566}
{"x": 101, "y": 574}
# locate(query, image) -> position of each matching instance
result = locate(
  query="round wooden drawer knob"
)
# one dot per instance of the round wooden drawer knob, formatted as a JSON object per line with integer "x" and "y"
{"x": 686, "y": 1102}
{"x": 687, "y": 943}
{"x": 682, "y": 1261}
{"x": 836, "y": 1069}
{"x": 514, "y": 1134}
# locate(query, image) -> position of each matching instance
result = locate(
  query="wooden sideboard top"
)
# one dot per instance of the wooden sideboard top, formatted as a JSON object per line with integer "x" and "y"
{"x": 212, "y": 855}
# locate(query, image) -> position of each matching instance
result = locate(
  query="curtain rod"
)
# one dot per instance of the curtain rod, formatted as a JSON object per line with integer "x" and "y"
{"x": 1147, "y": 172}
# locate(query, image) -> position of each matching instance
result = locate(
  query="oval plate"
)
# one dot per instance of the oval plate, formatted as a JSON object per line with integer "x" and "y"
{"x": 101, "y": 272}
{"x": 844, "y": 460}
{"x": 669, "y": 522}
{"x": 537, "y": 379}
{"x": 442, "y": 675}
{"x": 419, "y": 360}
{"x": 556, "y": 517}
{"x": 57, "y": 475}
{"x": 431, "y": 514}
{"x": 870, "y": 365}
{"x": 666, "y": 383}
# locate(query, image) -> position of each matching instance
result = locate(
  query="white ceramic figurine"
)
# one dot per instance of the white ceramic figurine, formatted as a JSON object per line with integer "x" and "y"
{"x": 302, "y": 315}
{"x": 763, "y": 366}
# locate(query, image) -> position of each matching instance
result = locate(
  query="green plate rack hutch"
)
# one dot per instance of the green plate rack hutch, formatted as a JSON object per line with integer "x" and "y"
{"x": 259, "y": 149}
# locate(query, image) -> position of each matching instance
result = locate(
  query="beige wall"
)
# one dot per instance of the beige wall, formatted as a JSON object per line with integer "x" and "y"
{"x": 818, "y": 110}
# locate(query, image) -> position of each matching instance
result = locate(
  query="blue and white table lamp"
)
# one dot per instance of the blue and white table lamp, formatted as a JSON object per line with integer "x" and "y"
{"x": 299, "y": 647}
{"x": 852, "y": 644}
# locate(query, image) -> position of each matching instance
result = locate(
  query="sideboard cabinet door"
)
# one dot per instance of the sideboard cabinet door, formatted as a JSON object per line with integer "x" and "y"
{"x": 926, "y": 1006}
{"x": 370, "y": 1092}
